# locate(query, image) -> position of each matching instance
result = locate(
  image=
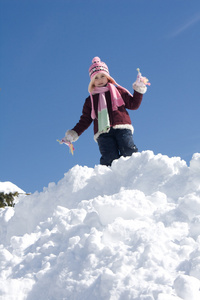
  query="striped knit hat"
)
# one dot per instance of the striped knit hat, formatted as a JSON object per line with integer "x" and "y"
{"x": 96, "y": 67}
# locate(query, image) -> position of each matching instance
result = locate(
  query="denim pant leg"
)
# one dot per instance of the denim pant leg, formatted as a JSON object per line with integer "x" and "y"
{"x": 125, "y": 142}
{"x": 108, "y": 148}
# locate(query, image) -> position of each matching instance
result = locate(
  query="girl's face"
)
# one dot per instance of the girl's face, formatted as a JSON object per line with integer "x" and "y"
{"x": 100, "y": 80}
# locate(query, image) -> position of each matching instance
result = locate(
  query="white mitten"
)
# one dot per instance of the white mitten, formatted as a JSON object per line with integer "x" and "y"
{"x": 140, "y": 84}
{"x": 71, "y": 136}
{"x": 139, "y": 88}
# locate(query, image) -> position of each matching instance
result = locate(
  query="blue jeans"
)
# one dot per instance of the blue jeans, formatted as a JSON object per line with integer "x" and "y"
{"x": 115, "y": 143}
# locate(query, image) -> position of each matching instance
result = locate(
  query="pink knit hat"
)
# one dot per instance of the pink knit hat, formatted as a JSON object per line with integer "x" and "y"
{"x": 96, "y": 67}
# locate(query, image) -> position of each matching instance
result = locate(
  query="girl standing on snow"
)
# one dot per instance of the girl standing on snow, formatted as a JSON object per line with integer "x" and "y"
{"x": 106, "y": 108}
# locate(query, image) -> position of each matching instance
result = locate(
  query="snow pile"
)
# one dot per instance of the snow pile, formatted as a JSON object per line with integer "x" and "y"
{"x": 130, "y": 231}
{"x": 8, "y": 187}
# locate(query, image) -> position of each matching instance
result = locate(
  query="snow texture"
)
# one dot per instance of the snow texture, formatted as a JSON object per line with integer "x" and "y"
{"x": 129, "y": 231}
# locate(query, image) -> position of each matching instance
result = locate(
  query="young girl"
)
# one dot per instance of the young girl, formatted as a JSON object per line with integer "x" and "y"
{"x": 106, "y": 108}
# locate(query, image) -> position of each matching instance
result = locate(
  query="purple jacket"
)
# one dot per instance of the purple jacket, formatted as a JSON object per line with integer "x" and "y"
{"x": 119, "y": 117}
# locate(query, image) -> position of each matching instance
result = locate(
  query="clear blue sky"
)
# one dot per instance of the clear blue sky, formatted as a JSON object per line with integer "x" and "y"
{"x": 46, "y": 49}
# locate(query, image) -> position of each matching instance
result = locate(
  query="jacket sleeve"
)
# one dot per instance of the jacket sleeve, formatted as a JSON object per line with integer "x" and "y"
{"x": 132, "y": 102}
{"x": 85, "y": 119}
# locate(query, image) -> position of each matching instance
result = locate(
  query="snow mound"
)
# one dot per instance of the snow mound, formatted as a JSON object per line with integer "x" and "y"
{"x": 8, "y": 187}
{"x": 129, "y": 231}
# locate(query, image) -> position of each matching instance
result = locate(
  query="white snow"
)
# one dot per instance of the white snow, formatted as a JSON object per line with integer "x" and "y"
{"x": 8, "y": 187}
{"x": 129, "y": 231}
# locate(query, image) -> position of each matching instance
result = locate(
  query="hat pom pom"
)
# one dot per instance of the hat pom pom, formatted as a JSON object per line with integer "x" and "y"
{"x": 96, "y": 59}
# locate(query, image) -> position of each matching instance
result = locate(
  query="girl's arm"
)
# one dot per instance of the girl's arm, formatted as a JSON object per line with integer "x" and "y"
{"x": 85, "y": 119}
{"x": 132, "y": 102}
